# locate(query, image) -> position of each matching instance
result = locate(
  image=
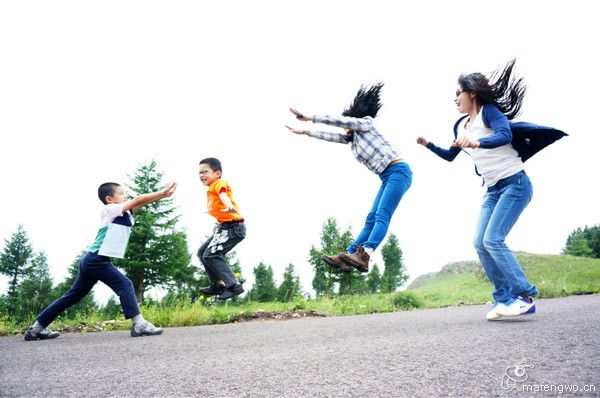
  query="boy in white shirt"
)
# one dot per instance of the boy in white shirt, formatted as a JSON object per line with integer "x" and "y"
{"x": 111, "y": 241}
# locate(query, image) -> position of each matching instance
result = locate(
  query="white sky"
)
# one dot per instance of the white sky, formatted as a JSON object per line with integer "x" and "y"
{"x": 91, "y": 90}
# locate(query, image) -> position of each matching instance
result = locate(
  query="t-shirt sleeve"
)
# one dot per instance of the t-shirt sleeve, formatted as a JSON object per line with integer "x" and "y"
{"x": 220, "y": 186}
{"x": 110, "y": 212}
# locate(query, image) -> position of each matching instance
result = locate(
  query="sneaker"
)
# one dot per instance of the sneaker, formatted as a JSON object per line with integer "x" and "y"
{"x": 358, "y": 260}
{"x": 517, "y": 306}
{"x": 44, "y": 334}
{"x": 212, "y": 290}
{"x": 492, "y": 315}
{"x": 335, "y": 262}
{"x": 231, "y": 291}
{"x": 144, "y": 329}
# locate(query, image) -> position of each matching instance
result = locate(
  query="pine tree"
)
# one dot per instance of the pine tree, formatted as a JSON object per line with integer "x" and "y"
{"x": 35, "y": 291}
{"x": 15, "y": 262}
{"x": 374, "y": 279}
{"x": 326, "y": 278}
{"x": 157, "y": 254}
{"x": 584, "y": 242}
{"x": 577, "y": 244}
{"x": 264, "y": 289}
{"x": 290, "y": 287}
{"x": 394, "y": 273}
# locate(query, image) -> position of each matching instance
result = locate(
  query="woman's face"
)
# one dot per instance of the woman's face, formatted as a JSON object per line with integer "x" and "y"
{"x": 465, "y": 101}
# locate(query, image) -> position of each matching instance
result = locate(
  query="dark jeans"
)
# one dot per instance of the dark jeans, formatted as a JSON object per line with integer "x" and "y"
{"x": 212, "y": 252}
{"x": 94, "y": 268}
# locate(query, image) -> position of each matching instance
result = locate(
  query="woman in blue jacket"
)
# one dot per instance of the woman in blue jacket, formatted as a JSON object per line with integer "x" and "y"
{"x": 485, "y": 134}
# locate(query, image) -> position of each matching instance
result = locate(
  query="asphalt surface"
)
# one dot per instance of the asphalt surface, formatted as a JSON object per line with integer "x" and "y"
{"x": 441, "y": 352}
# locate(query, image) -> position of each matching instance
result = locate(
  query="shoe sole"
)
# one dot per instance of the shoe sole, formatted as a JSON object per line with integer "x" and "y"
{"x": 337, "y": 266}
{"x": 530, "y": 311}
{"x": 233, "y": 294}
{"x": 351, "y": 263}
{"x": 29, "y": 337}
{"x": 136, "y": 334}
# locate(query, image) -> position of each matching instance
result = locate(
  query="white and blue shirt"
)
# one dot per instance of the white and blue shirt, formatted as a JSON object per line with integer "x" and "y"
{"x": 369, "y": 147}
{"x": 113, "y": 235}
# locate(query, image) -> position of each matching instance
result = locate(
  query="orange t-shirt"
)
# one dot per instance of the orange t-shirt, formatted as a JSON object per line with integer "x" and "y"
{"x": 216, "y": 206}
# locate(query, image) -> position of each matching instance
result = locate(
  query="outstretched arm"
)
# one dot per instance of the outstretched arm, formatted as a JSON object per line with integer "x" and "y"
{"x": 352, "y": 123}
{"x": 322, "y": 135}
{"x": 147, "y": 198}
{"x": 446, "y": 154}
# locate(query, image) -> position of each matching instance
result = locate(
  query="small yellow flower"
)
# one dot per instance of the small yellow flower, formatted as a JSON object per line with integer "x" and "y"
{"x": 201, "y": 297}
{"x": 237, "y": 274}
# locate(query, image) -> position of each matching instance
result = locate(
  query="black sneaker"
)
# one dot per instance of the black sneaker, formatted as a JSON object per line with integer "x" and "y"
{"x": 45, "y": 334}
{"x": 231, "y": 291}
{"x": 212, "y": 290}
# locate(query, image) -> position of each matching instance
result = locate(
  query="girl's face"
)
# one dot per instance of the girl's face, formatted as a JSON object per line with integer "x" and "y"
{"x": 465, "y": 101}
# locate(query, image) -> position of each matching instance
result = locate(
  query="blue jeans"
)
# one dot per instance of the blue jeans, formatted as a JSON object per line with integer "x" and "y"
{"x": 395, "y": 181}
{"x": 94, "y": 268}
{"x": 502, "y": 205}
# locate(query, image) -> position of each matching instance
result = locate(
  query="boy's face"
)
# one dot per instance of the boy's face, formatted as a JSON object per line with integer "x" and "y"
{"x": 118, "y": 196}
{"x": 208, "y": 175}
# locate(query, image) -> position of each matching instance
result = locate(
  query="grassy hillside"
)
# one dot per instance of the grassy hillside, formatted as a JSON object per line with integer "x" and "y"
{"x": 554, "y": 275}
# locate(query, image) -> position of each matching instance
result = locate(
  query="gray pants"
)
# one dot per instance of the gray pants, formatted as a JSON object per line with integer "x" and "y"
{"x": 212, "y": 252}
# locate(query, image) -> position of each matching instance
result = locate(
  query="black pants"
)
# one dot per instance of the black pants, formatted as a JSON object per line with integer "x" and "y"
{"x": 212, "y": 252}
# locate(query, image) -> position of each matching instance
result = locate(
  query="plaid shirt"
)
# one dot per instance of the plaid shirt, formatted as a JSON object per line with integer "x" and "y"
{"x": 368, "y": 146}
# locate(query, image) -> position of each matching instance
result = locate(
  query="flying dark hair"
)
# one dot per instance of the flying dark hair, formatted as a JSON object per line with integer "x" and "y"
{"x": 106, "y": 189}
{"x": 366, "y": 102}
{"x": 501, "y": 89}
{"x": 213, "y": 163}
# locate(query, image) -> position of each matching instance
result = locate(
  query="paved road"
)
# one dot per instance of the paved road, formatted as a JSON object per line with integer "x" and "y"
{"x": 441, "y": 352}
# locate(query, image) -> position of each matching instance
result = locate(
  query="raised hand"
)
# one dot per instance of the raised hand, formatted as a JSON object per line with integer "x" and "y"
{"x": 422, "y": 141}
{"x": 464, "y": 142}
{"x": 300, "y": 116}
{"x": 296, "y": 130}
{"x": 169, "y": 189}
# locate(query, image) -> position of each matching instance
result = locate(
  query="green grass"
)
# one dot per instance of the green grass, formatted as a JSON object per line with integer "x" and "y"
{"x": 455, "y": 284}
{"x": 554, "y": 276}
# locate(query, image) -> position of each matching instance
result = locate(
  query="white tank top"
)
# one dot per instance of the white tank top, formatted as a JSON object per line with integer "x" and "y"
{"x": 493, "y": 164}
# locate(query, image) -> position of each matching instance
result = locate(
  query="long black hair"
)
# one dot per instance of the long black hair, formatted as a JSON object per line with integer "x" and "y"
{"x": 501, "y": 89}
{"x": 366, "y": 102}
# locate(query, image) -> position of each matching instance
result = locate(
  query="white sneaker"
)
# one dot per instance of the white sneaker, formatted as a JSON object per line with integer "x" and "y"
{"x": 492, "y": 315}
{"x": 516, "y": 306}
{"x": 144, "y": 329}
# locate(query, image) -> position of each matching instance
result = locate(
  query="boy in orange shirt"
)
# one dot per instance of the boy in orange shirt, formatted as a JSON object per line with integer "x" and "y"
{"x": 230, "y": 231}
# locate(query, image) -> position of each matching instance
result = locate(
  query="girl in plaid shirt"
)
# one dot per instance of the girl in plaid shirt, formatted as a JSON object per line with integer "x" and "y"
{"x": 370, "y": 148}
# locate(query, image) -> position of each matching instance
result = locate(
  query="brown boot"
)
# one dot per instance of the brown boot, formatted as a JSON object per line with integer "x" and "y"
{"x": 359, "y": 260}
{"x": 335, "y": 262}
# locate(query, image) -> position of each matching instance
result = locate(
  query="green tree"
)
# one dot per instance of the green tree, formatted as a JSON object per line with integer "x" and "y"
{"x": 326, "y": 278}
{"x": 290, "y": 286}
{"x": 112, "y": 309}
{"x": 15, "y": 262}
{"x": 374, "y": 279}
{"x": 86, "y": 305}
{"x": 35, "y": 291}
{"x": 157, "y": 254}
{"x": 394, "y": 273}
{"x": 578, "y": 245}
{"x": 264, "y": 289}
